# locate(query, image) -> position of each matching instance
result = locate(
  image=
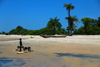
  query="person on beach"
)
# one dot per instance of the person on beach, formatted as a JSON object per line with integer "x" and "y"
{"x": 20, "y": 42}
{"x": 21, "y": 46}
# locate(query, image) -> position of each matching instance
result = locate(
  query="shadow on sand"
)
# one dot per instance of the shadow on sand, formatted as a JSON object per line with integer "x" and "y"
{"x": 10, "y": 62}
{"x": 0, "y": 52}
{"x": 78, "y": 55}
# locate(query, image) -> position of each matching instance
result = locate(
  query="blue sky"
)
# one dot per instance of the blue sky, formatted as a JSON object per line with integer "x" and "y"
{"x": 35, "y": 14}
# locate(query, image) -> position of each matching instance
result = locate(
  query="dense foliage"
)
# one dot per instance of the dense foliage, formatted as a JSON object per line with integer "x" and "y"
{"x": 91, "y": 27}
{"x": 53, "y": 27}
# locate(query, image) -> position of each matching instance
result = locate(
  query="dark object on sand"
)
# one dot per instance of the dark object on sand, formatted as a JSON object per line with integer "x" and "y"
{"x": 32, "y": 37}
{"x": 7, "y": 34}
{"x": 27, "y": 48}
{"x": 24, "y": 48}
{"x": 54, "y": 36}
{"x": 20, "y": 42}
{"x": 19, "y": 47}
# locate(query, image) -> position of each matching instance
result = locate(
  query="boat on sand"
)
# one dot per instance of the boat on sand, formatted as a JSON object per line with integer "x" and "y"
{"x": 53, "y": 36}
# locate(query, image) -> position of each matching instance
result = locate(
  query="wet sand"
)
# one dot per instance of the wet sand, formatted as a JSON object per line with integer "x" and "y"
{"x": 74, "y": 51}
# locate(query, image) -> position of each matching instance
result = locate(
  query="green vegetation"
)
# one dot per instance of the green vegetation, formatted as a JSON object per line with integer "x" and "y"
{"x": 53, "y": 27}
{"x": 91, "y": 26}
{"x": 70, "y": 19}
{"x": 19, "y": 30}
{"x": 71, "y": 24}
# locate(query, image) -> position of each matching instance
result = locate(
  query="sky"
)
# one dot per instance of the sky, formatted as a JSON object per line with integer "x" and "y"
{"x": 35, "y": 14}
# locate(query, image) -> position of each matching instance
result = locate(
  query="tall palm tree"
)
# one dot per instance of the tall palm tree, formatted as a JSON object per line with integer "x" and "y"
{"x": 71, "y": 24}
{"x": 69, "y": 7}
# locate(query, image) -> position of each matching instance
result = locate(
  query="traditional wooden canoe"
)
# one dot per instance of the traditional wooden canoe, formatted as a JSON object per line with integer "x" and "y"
{"x": 54, "y": 36}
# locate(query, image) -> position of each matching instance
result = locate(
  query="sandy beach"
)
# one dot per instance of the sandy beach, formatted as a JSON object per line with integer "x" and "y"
{"x": 71, "y": 51}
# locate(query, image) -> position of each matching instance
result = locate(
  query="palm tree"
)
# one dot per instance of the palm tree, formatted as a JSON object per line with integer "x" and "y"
{"x": 74, "y": 26}
{"x": 71, "y": 24}
{"x": 57, "y": 24}
{"x": 54, "y": 24}
{"x": 69, "y": 7}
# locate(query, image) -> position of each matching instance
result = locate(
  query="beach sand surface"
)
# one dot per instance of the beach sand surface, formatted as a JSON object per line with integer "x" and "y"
{"x": 71, "y": 51}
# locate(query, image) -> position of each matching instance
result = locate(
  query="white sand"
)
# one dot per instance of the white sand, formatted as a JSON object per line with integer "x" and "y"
{"x": 72, "y": 51}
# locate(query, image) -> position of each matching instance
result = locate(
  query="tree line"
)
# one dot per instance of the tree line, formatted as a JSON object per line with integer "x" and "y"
{"x": 53, "y": 27}
{"x": 91, "y": 26}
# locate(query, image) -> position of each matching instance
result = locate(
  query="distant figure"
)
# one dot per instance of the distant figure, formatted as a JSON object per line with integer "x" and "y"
{"x": 21, "y": 46}
{"x": 20, "y": 42}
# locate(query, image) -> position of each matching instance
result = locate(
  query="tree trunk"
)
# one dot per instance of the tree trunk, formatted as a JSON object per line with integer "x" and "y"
{"x": 70, "y": 32}
{"x": 54, "y": 29}
{"x": 68, "y": 27}
{"x": 69, "y": 22}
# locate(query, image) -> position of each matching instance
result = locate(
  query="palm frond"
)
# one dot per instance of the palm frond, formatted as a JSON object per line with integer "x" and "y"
{"x": 74, "y": 26}
{"x": 73, "y": 19}
{"x": 66, "y": 18}
{"x": 65, "y": 5}
{"x": 69, "y": 6}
